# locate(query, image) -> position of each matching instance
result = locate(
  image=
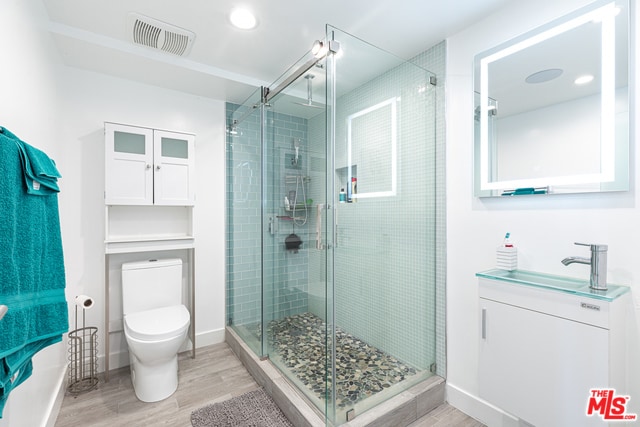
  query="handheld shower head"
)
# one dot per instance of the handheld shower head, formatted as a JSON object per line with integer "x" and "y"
{"x": 296, "y": 146}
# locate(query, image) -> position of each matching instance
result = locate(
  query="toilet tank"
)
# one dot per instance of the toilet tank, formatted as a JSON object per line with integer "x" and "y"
{"x": 150, "y": 284}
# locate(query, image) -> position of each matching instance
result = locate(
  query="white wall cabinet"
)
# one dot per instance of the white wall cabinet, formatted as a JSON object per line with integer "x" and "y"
{"x": 148, "y": 166}
{"x": 542, "y": 351}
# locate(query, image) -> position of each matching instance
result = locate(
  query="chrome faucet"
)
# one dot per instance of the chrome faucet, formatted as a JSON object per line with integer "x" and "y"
{"x": 598, "y": 263}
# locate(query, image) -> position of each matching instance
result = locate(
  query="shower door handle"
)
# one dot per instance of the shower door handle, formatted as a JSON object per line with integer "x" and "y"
{"x": 319, "y": 244}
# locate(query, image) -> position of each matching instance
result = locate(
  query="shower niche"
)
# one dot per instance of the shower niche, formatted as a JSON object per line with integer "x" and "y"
{"x": 347, "y": 180}
{"x": 349, "y": 317}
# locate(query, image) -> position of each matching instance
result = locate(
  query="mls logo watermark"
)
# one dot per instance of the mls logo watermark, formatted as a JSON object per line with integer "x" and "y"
{"x": 610, "y": 407}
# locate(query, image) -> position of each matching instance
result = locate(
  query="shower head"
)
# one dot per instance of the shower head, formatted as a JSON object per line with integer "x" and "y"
{"x": 309, "y": 102}
{"x": 232, "y": 129}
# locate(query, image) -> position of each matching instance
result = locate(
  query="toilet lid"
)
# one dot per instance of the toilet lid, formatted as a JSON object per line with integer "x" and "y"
{"x": 157, "y": 324}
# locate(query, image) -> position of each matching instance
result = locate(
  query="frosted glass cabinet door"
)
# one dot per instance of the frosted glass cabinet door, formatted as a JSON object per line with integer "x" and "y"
{"x": 174, "y": 168}
{"x": 128, "y": 165}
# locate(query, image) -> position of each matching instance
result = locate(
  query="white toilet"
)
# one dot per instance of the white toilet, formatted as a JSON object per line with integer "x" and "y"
{"x": 155, "y": 325}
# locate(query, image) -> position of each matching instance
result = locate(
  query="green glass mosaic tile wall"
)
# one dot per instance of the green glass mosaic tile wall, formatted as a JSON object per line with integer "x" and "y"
{"x": 385, "y": 283}
{"x": 287, "y": 272}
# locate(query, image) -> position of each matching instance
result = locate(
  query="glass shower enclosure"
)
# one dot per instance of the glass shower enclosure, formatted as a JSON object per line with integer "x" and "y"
{"x": 331, "y": 225}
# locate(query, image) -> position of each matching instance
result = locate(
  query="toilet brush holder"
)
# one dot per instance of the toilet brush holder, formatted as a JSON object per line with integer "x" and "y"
{"x": 83, "y": 357}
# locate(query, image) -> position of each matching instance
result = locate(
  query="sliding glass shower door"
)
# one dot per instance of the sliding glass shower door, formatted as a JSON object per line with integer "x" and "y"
{"x": 331, "y": 225}
{"x": 295, "y": 241}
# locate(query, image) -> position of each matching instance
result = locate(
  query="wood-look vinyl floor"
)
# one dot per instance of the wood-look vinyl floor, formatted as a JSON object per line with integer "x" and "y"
{"x": 216, "y": 374}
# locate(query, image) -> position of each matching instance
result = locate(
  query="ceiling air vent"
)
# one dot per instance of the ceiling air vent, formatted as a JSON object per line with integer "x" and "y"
{"x": 160, "y": 35}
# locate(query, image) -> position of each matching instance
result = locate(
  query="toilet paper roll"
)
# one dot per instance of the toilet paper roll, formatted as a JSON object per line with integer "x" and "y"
{"x": 84, "y": 301}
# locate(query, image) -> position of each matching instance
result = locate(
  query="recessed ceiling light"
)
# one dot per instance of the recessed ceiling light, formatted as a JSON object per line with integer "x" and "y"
{"x": 243, "y": 19}
{"x": 583, "y": 80}
{"x": 544, "y": 76}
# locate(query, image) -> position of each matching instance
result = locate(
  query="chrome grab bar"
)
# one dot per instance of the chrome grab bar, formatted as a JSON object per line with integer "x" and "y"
{"x": 3, "y": 310}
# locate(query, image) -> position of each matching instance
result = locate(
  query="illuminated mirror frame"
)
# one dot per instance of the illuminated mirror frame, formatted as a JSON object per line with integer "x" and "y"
{"x": 392, "y": 102}
{"x": 604, "y": 13}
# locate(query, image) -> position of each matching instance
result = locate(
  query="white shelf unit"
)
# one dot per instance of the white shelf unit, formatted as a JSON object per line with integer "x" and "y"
{"x": 147, "y": 223}
{"x": 149, "y": 202}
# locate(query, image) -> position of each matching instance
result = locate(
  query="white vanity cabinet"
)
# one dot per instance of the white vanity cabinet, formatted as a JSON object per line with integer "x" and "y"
{"x": 542, "y": 349}
{"x": 148, "y": 166}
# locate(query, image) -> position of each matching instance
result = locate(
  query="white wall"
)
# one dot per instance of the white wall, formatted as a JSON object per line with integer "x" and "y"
{"x": 62, "y": 110}
{"x": 544, "y": 228}
{"x": 90, "y": 99}
{"x": 29, "y": 108}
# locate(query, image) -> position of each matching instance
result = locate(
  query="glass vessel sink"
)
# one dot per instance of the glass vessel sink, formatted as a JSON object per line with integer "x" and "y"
{"x": 557, "y": 283}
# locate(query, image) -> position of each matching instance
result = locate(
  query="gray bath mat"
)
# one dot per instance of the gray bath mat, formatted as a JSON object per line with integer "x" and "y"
{"x": 253, "y": 409}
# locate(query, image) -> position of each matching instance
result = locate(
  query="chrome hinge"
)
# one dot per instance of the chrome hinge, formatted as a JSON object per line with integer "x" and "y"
{"x": 433, "y": 367}
{"x": 433, "y": 80}
{"x": 351, "y": 414}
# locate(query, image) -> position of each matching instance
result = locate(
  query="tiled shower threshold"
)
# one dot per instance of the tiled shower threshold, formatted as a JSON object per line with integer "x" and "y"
{"x": 400, "y": 410}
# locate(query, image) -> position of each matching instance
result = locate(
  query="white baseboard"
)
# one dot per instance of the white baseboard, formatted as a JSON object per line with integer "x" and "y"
{"x": 479, "y": 409}
{"x": 204, "y": 339}
{"x": 56, "y": 401}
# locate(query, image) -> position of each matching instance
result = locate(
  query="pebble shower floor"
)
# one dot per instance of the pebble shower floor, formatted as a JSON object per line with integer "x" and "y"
{"x": 361, "y": 369}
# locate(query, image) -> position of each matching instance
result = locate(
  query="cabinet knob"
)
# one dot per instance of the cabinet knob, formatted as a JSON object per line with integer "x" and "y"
{"x": 148, "y": 166}
{"x": 157, "y": 167}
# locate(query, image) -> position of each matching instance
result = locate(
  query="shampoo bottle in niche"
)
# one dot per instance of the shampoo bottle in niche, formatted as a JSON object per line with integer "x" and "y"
{"x": 354, "y": 190}
{"x": 342, "y": 197}
{"x": 507, "y": 254}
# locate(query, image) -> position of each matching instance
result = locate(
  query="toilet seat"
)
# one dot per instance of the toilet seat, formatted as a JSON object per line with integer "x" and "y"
{"x": 157, "y": 324}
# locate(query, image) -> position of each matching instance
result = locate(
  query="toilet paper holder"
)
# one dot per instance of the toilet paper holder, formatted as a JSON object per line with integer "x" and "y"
{"x": 83, "y": 351}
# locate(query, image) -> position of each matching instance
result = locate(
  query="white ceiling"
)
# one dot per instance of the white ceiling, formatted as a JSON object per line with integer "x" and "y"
{"x": 227, "y": 63}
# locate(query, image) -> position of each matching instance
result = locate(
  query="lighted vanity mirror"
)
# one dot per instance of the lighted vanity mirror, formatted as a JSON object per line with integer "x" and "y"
{"x": 551, "y": 110}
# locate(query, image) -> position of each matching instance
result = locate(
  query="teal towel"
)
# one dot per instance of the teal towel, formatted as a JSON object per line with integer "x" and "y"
{"x": 40, "y": 172}
{"x": 18, "y": 367}
{"x": 32, "y": 277}
{"x": 14, "y": 381}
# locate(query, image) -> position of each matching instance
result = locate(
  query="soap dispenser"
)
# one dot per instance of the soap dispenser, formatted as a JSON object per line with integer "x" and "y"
{"x": 507, "y": 254}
